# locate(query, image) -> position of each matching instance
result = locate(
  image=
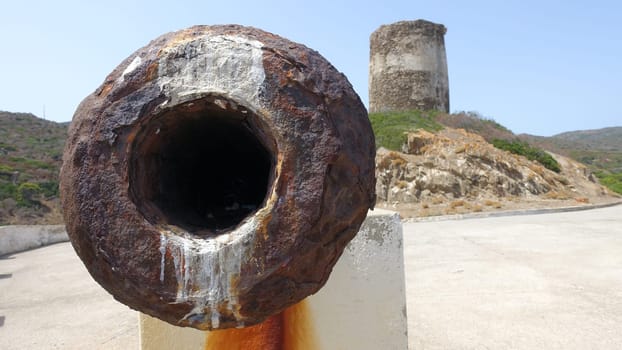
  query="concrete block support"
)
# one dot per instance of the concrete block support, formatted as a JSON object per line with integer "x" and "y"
{"x": 17, "y": 238}
{"x": 362, "y": 306}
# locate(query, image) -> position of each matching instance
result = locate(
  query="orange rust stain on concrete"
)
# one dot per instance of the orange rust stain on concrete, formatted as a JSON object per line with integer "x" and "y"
{"x": 267, "y": 335}
{"x": 298, "y": 331}
{"x": 292, "y": 329}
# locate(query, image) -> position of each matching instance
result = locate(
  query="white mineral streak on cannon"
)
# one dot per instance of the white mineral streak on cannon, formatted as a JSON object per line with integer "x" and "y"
{"x": 135, "y": 63}
{"x": 207, "y": 269}
{"x": 235, "y": 71}
{"x": 227, "y": 65}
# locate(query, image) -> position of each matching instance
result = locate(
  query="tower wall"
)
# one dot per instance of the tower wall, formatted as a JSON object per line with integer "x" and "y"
{"x": 408, "y": 67}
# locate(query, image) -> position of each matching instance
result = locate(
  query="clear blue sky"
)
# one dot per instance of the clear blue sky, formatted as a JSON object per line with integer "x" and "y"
{"x": 539, "y": 67}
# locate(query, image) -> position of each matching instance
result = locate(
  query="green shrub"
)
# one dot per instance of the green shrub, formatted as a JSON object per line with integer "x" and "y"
{"x": 7, "y": 190}
{"x": 530, "y": 152}
{"x": 49, "y": 189}
{"x": 6, "y": 170}
{"x": 390, "y": 127}
{"x": 612, "y": 180}
{"x": 474, "y": 122}
{"x": 33, "y": 163}
{"x": 27, "y": 194}
{"x": 6, "y": 147}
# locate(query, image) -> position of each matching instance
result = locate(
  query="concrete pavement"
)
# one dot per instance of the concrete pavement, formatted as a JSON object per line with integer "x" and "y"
{"x": 551, "y": 281}
{"x": 49, "y": 301}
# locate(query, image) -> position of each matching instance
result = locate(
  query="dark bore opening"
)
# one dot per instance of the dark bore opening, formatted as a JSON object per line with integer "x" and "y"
{"x": 204, "y": 166}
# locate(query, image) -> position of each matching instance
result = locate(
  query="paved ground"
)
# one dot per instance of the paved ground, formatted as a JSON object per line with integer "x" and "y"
{"x": 49, "y": 301}
{"x": 549, "y": 281}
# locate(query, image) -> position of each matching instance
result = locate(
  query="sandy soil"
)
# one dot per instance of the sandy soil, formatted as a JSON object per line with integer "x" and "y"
{"x": 465, "y": 205}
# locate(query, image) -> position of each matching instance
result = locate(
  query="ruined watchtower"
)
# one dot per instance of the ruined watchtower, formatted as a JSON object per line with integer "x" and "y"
{"x": 408, "y": 67}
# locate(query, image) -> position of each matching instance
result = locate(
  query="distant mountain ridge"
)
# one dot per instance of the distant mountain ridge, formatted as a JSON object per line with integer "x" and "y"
{"x": 606, "y": 139}
{"x": 601, "y": 149}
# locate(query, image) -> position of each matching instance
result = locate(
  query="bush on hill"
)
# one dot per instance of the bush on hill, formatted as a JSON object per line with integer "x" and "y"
{"x": 474, "y": 122}
{"x": 390, "y": 128}
{"x": 530, "y": 152}
{"x": 612, "y": 180}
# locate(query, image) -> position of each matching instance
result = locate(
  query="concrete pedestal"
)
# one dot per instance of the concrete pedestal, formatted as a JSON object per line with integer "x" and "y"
{"x": 362, "y": 306}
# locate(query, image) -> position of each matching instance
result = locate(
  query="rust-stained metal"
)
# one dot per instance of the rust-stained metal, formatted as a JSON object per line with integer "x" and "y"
{"x": 216, "y": 176}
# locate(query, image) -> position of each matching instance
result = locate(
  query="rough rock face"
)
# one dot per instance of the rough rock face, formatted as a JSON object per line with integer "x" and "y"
{"x": 456, "y": 164}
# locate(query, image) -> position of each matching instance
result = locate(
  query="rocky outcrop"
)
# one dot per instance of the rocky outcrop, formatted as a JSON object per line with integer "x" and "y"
{"x": 456, "y": 164}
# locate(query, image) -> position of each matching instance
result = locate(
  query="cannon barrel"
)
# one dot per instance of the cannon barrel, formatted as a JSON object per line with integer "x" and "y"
{"x": 216, "y": 176}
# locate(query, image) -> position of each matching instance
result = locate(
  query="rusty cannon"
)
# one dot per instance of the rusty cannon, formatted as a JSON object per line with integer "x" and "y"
{"x": 216, "y": 175}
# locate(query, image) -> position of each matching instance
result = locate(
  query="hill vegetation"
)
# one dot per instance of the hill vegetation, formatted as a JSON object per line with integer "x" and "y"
{"x": 600, "y": 150}
{"x": 391, "y": 128}
{"x": 524, "y": 149}
{"x": 606, "y": 139}
{"x": 30, "y": 157}
{"x": 474, "y": 123}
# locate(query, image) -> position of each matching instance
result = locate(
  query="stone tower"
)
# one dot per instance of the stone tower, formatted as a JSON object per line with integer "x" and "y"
{"x": 408, "y": 67}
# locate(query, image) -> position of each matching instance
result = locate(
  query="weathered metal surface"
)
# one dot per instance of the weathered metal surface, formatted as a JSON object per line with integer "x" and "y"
{"x": 122, "y": 169}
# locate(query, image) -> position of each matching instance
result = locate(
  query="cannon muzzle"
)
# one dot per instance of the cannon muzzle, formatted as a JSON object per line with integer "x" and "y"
{"x": 216, "y": 176}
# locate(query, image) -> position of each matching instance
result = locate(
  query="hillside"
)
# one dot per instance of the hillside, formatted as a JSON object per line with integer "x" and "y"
{"x": 453, "y": 168}
{"x": 606, "y": 139}
{"x": 30, "y": 157}
{"x": 600, "y": 150}
{"x": 448, "y": 170}
{"x": 454, "y": 171}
